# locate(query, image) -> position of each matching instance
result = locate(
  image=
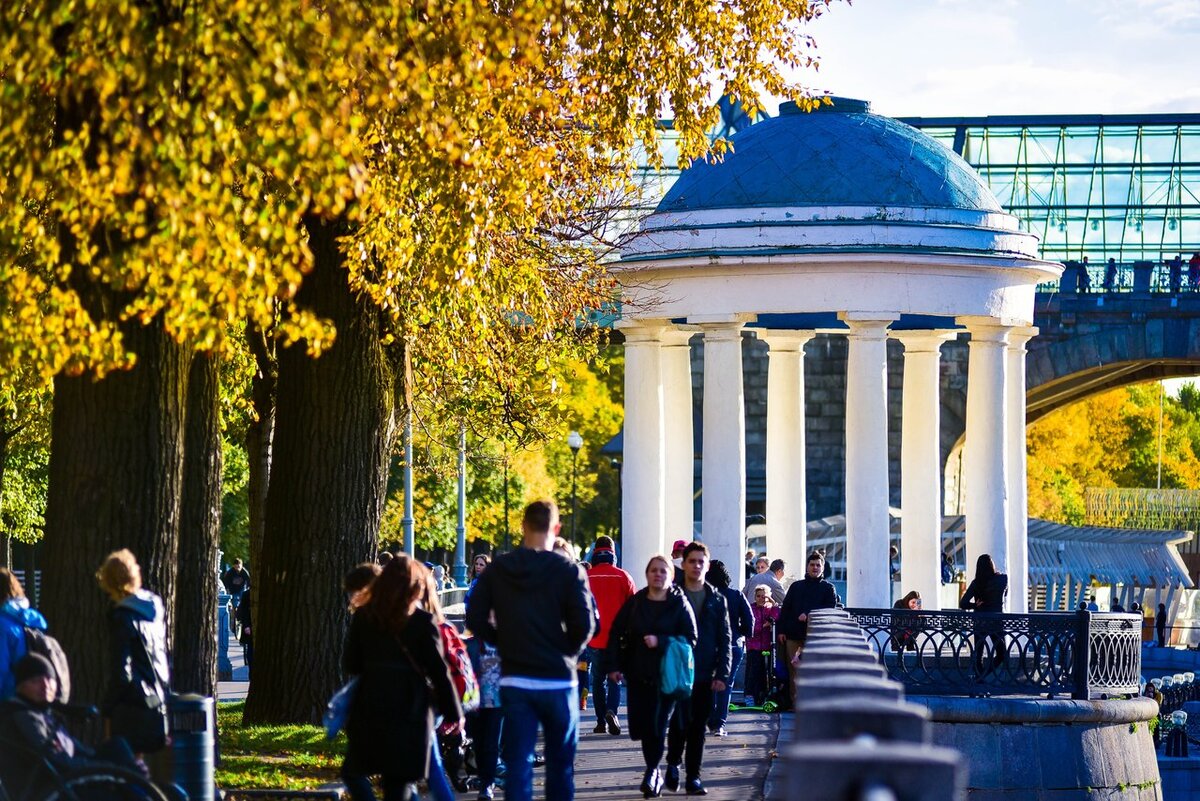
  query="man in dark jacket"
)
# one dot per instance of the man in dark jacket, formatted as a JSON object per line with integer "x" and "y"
{"x": 544, "y": 615}
{"x": 811, "y": 592}
{"x": 27, "y": 719}
{"x": 712, "y": 657}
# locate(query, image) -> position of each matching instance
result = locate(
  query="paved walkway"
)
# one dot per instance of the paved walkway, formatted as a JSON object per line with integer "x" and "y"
{"x": 610, "y": 768}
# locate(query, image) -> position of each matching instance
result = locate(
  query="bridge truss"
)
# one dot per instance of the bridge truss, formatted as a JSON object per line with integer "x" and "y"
{"x": 1103, "y": 186}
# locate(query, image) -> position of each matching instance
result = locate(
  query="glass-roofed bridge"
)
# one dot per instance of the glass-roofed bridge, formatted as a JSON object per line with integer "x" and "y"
{"x": 1123, "y": 186}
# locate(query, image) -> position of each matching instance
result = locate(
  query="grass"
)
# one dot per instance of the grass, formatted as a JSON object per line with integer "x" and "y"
{"x": 274, "y": 757}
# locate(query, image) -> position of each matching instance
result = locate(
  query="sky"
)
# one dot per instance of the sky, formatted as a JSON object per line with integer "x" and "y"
{"x": 986, "y": 57}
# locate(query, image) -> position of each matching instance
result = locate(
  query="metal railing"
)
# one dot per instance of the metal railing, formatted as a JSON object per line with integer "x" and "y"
{"x": 1080, "y": 654}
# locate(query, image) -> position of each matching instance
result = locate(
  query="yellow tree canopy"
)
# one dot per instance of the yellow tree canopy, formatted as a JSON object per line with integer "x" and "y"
{"x": 157, "y": 158}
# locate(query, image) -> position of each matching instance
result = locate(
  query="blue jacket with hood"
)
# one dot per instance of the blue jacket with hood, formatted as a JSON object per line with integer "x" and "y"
{"x": 15, "y": 615}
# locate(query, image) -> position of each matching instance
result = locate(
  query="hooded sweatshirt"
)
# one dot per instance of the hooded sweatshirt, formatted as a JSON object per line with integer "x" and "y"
{"x": 138, "y": 671}
{"x": 15, "y": 616}
{"x": 544, "y": 614}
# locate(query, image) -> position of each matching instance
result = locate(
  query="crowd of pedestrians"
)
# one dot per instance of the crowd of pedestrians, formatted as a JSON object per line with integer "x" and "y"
{"x": 35, "y": 681}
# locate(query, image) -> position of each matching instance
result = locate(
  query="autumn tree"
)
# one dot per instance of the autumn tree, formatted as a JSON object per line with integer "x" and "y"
{"x": 362, "y": 180}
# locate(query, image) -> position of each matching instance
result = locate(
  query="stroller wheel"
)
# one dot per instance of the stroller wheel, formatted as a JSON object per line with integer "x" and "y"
{"x": 770, "y": 706}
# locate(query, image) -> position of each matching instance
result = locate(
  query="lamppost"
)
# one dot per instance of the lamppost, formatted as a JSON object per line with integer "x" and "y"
{"x": 574, "y": 442}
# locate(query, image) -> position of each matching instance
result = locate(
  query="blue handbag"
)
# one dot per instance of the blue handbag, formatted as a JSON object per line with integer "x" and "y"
{"x": 338, "y": 709}
{"x": 678, "y": 669}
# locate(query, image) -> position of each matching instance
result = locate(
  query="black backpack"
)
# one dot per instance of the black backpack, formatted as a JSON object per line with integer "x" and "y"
{"x": 40, "y": 643}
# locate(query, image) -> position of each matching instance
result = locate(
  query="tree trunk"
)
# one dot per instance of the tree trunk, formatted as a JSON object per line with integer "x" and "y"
{"x": 199, "y": 531}
{"x": 260, "y": 436}
{"x": 333, "y": 435}
{"x": 116, "y": 473}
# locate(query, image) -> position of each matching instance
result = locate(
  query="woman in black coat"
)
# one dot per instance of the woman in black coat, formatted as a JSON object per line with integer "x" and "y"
{"x": 135, "y": 701}
{"x": 636, "y": 643}
{"x": 395, "y": 650}
{"x": 987, "y": 593}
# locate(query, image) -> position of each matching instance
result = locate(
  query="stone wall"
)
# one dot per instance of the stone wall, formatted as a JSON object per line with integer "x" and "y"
{"x": 1050, "y": 750}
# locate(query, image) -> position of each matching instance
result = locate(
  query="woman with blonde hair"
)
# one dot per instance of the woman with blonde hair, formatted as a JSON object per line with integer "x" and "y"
{"x": 636, "y": 643}
{"x": 135, "y": 704}
{"x": 395, "y": 650}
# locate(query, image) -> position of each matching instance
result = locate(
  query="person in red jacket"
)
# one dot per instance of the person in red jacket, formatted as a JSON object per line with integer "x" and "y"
{"x": 611, "y": 587}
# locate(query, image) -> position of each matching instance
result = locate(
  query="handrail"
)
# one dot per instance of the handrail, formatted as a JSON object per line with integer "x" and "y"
{"x": 1080, "y": 654}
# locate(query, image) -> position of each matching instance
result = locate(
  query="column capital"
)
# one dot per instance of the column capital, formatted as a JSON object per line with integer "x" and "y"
{"x": 707, "y": 321}
{"x": 678, "y": 336}
{"x": 867, "y": 325}
{"x": 1019, "y": 336}
{"x": 924, "y": 340}
{"x": 643, "y": 331}
{"x": 994, "y": 330}
{"x": 782, "y": 341}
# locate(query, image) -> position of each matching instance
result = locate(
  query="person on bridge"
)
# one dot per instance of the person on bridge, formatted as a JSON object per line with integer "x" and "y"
{"x": 544, "y": 616}
{"x": 611, "y": 587}
{"x": 1175, "y": 274}
{"x": 1110, "y": 275}
{"x": 636, "y": 643}
{"x": 237, "y": 581}
{"x": 811, "y": 592}
{"x": 1083, "y": 279}
{"x": 713, "y": 658}
{"x": 1194, "y": 271}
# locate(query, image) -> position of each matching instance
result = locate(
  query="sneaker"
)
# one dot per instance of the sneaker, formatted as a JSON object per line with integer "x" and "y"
{"x": 614, "y": 727}
{"x": 718, "y": 732}
{"x": 601, "y": 726}
{"x": 487, "y": 793}
{"x": 695, "y": 787}
{"x": 671, "y": 781}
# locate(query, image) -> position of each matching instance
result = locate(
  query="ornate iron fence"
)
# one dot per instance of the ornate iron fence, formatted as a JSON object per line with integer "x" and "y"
{"x": 1081, "y": 654}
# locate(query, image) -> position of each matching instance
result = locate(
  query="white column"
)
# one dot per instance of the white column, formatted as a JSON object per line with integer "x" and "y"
{"x": 680, "y": 446}
{"x": 920, "y": 465}
{"x": 786, "y": 502}
{"x": 1018, "y": 506}
{"x": 867, "y": 522}
{"x": 643, "y": 470}
{"x": 985, "y": 462}
{"x": 723, "y": 501}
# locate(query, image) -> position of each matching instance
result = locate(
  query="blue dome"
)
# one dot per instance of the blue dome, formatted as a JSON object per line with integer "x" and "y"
{"x": 839, "y": 155}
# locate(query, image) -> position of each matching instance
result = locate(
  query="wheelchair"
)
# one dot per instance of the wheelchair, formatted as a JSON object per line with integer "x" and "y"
{"x": 27, "y": 775}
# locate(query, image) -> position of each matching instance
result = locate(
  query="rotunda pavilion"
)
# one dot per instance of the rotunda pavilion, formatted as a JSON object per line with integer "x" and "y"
{"x": 844, "y": 222}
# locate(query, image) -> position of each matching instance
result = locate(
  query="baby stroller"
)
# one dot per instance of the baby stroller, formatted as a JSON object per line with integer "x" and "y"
{"x": 458, "y": 759}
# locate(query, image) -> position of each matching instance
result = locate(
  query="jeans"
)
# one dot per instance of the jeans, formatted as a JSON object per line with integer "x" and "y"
{"x": 689, "y": 723}
{"x": 439, "y": 785}
{"x": 720, "y": 711}
{"x": 558, "y": 713}
{"x": 606, "y": 693}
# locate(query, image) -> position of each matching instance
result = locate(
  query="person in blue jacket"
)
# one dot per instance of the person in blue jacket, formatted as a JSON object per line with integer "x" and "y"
{"x": 15, "y": 617}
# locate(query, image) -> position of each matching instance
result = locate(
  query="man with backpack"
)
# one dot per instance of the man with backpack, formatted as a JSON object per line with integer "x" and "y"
{"x": 713, "y": 656}
{"x": 237, "y": 582}
{"x": 544, "y": 615}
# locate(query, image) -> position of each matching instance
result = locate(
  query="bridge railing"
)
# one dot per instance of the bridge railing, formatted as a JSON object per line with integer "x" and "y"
{"x": 1079, "y": 654}
{"x": 1129, "y": 277}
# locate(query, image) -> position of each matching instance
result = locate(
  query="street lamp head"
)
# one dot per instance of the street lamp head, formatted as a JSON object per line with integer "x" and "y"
{"x": 574, "y": 441}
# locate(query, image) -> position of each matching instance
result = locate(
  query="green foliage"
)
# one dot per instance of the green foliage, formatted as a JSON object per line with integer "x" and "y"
{"x": 235, "y": 503}
{"x": 274, "y": 757}
{"x": 26, "y": 479}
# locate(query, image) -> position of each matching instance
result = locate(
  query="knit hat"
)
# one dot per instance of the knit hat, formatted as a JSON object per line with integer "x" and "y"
{"x": 679, "y": 545}
{"x": 33, "y": 666}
